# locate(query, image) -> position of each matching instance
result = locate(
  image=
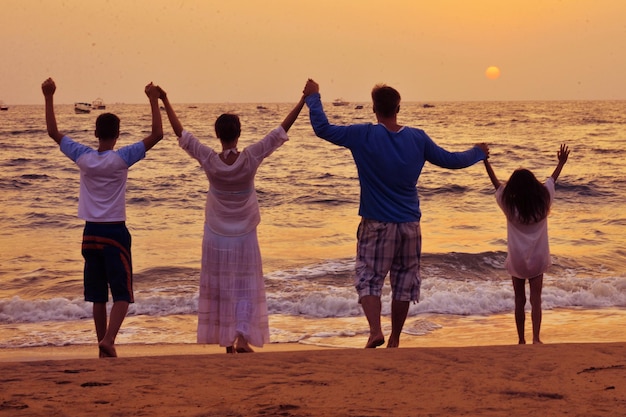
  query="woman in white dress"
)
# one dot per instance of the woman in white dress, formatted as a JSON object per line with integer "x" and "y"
{"x": 232, "y": 308}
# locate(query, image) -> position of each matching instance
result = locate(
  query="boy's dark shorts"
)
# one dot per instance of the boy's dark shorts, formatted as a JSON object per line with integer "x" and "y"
{"x": 108, "y": 263}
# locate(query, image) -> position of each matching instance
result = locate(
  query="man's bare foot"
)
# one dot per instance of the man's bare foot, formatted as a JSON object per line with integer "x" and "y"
{"x": 521, "y": 342}
{"x": 537, "y": 342}
{"x": 393, "y": 343}
{"x": 107, "y": 351}
{"x": 374, "y": 342}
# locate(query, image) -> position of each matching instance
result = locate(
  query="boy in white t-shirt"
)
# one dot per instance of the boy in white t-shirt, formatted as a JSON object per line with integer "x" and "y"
{"x": 102, "y": 204}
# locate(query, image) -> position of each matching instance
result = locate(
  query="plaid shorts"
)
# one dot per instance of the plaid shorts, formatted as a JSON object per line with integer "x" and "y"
{"x": 393, "y": 248}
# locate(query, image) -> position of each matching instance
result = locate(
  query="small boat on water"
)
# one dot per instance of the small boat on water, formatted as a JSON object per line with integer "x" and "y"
{"x": 98, "y": 104}
{"x": 80, "y": 108}
{"x": 3, "y": 106}
{"x": 358, "y": 107}
{"x": 340, "y": 102}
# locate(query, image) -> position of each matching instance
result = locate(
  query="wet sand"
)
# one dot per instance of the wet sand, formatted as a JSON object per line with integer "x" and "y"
{"x": 577, "y": 379}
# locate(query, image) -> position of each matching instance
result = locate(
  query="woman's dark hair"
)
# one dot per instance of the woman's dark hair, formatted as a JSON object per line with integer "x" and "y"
{"x": 525, "y": 198}
{"x": 386, "y": 100}
{"x": 228, "y": 127}
{"x": 107, "y": 126}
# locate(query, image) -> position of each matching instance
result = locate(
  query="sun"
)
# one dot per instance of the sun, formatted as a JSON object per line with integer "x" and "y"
{"x": 492, "y": 73}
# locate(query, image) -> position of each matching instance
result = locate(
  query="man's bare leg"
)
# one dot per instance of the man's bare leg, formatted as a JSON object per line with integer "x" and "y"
{"x": 399, "y": 311}
{"x": 536, "y": 285}
{"x": 372, "y": 308}
{"x": 118, "y": 314}
{"x": 520, "y": 303}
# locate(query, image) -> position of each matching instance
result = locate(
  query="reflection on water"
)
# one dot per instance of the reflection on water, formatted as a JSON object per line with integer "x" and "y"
{"x": 309, "y": 195}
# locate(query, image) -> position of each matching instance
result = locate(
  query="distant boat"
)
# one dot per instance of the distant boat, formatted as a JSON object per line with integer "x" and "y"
{"x": 340, "y": 102}
{"x": 81, "y": 108}
{"x": 358, "y": 107}
{"x": 3, "y": 106}
{"x": 427, "y": 106}
{"x": 98, "y": 104}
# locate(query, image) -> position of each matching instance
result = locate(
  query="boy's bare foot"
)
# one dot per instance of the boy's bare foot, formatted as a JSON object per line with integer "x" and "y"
{"x": 107, "y": 351}
{"x": 537, "y": 342}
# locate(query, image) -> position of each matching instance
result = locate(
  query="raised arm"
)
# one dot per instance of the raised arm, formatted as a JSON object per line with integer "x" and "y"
{"x": 562, "y": 155}
{"x": 492, "y": 174}
{"x": 310, "y": 88}
{"x": 319, "y": 121}
{"x": 171, "y": 114}
{"x": 293, "y": 115}
{"x": 48, "y": 88}
{"x": 156, "y": 134}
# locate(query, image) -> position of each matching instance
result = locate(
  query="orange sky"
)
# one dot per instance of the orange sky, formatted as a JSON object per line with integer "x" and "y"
{"x": 263, "y": 51}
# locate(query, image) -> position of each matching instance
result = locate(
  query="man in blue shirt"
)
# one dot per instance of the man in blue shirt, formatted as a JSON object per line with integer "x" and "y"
{"x": 389, "y": 159}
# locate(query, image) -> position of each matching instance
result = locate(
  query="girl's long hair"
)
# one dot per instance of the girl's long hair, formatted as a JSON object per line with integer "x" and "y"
{"x": 525, "y": 198}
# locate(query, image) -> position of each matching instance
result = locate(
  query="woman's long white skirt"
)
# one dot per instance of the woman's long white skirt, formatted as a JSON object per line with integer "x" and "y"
{"x": 232, "y": 291}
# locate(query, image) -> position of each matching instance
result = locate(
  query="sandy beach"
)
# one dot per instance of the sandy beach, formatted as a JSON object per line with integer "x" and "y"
{"x": 580, "y": 379}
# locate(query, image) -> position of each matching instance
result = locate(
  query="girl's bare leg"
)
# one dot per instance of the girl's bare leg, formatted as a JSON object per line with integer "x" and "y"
{"x": 520, "y": 303}
{"x": 536, "y": 285}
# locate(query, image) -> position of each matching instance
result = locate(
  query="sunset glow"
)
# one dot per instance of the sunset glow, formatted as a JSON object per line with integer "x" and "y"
{"x": 251, "y": 51}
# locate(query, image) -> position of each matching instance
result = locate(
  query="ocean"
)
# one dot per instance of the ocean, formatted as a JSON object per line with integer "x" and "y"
{"x": 309, "y": 193}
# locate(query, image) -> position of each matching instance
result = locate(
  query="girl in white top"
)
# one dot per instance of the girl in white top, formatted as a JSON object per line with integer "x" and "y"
{"x": 232, "y": 308}
{"x": 526, "y": 203}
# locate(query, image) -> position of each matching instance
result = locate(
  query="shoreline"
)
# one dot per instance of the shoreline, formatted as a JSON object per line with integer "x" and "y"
{"x": 134, "y": 350}
{"x": 153, "y": 336}
{"x": 546, "y": 380}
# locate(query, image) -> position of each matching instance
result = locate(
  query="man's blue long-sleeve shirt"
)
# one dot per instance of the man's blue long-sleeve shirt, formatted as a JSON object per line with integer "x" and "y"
{"x": 388, "y": 163}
